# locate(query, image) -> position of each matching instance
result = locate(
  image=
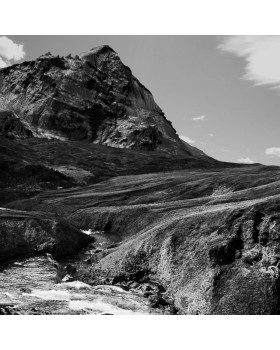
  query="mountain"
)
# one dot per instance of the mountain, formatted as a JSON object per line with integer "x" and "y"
{"x": 84, "y": 147}
{"x": 92, "y": 97}
{"x": 107, "y": 121}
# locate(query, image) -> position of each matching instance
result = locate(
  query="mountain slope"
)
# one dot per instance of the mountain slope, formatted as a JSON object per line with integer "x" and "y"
{"x": 32, "y": 165}
{"x": 93, "y": 97}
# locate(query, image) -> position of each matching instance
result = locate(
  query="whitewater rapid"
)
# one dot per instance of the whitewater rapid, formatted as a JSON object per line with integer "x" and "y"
{"x": 31, "y": 286}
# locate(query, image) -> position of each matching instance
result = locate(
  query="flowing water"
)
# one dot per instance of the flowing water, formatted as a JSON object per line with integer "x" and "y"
{"x": 31, "y": 285}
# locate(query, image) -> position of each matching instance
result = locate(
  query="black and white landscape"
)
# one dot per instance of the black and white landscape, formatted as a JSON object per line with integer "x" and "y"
{"x": 106, "y": 210}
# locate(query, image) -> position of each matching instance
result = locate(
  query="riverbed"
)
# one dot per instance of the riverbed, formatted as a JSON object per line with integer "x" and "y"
{"x": 32, "y": 286}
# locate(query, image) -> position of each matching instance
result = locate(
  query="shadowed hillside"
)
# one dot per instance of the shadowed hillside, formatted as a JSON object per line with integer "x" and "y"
{"x": 37, "y": 164}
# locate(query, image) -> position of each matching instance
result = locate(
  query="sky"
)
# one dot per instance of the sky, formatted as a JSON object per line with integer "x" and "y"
{"x": 221, "y": 93}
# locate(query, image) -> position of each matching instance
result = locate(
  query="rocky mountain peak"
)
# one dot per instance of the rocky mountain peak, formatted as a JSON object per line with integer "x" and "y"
{"x": 102, "y": 49}
{"x": 92, "y": 97}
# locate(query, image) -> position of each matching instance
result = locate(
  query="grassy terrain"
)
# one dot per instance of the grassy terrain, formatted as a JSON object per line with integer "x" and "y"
{"x": 207, "y": 232}
{"x": 208, "y": 235}
{"x": 31, "y": 166}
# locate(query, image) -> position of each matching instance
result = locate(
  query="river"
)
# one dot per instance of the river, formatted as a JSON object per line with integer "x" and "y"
{"x": 32, "y": 286}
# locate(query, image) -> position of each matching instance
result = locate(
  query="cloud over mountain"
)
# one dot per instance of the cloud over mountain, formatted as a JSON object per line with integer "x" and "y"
{"x": 245, "y": 160}
{"x": 10, "y": 52}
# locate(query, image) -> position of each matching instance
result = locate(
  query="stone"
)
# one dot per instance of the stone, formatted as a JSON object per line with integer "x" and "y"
{"x": 134, "y": 285}
{"x": 67, "y": 278}
{"x": 12, "y": 127}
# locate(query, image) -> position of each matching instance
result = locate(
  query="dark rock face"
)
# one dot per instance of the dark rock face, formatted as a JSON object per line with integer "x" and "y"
{"x": 12, "y": 127}
{"x": 91, "y": 97}
{"x": 23, "y": 233}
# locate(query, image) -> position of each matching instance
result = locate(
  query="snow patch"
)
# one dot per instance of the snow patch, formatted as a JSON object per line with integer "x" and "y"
{"x": 48, "y": 135}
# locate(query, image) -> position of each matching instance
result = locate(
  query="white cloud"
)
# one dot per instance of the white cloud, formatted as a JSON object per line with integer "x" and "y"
{"x": 211, "y": 135}
{"x": 10, "y": 52}
{"x": 186, "y": 139}
{"x": 246, "y": 160}
{"x": 2, "y": 63}
{"x": 273, "y": 152}
{"x": 203, "y": 117}
{"x": 262, "y": 56}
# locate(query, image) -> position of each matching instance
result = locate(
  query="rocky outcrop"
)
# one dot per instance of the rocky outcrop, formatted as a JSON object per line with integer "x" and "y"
{"x": 23, "y": 233}
{"x": 12, "y": 127}
{"x": 224, "y": 262}
{"x": 93, "y": 97}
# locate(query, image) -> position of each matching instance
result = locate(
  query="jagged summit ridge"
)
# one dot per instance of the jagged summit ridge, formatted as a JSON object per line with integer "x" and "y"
{"x": 102, "y": 49}
{"x": 93, "y": 97}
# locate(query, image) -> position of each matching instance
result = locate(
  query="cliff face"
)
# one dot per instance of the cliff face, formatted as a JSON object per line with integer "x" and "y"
{"x": 12, "y": 127}
{"x": 23, "y": 233}
{"x": 91, "y": 97}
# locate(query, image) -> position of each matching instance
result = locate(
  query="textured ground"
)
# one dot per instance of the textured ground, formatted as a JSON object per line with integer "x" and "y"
{"x": 210, "y": 237}
{"x": 34, "y": 165}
